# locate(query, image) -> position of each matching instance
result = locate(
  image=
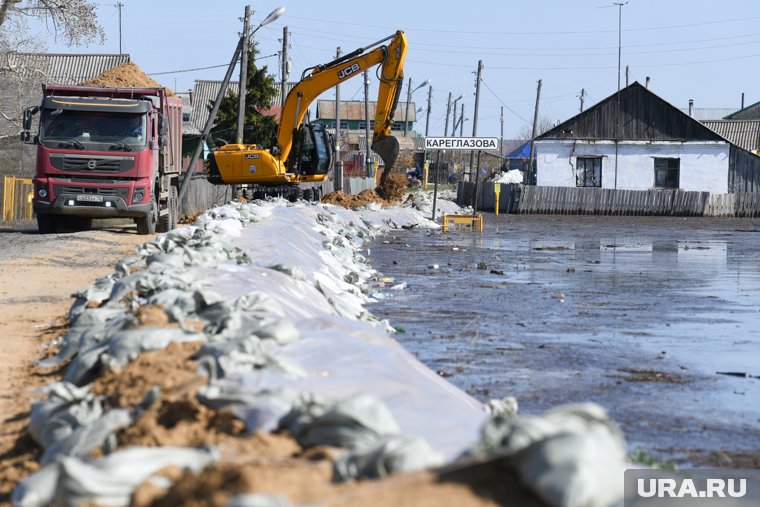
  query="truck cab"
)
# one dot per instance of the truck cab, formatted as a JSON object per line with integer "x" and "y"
{"x": 105, "y": 153}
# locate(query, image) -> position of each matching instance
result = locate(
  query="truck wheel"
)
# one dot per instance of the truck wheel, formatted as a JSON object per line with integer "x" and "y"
{"x": 47, "y": 224}
{"x": 147, "y": 225}
{"x": 168, "y": 221}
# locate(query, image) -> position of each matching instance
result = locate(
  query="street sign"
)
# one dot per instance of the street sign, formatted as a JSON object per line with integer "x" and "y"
{"x": 461, "y": 143}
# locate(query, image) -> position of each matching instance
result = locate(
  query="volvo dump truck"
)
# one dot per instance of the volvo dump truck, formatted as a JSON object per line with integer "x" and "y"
{"x": 301, "y": 155}
{"x": 106, "y": 153}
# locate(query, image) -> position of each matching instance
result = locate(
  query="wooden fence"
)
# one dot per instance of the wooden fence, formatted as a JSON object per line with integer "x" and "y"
{"x": 515, "y": 198}
{"x": 17, "y": 198}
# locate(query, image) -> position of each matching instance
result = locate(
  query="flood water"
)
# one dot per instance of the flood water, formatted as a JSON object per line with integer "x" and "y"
{"x": 638, "y": 314}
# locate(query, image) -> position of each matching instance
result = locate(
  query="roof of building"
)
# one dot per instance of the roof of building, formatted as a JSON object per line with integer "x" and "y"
{"x": 352, "y": 110}
{"x": 708, "y": 113}
{"x": 643, "y": 117}
{"x": 60, "y": 68}
{"x": 743, "y": 133}
{"x": 205, "y": 91}
{"x": 751, "y": 112}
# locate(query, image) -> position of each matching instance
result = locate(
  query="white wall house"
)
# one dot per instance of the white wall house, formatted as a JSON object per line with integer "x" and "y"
{"x": 641, "y": 165}
{"x": 658, "y": 147}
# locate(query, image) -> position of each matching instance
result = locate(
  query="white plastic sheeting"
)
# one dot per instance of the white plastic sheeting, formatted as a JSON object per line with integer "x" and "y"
{"x": 343, "y": 350}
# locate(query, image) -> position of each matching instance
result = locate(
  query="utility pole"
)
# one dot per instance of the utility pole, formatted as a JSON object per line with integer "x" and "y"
{"x": 461, "y": 120}
{"x": 368, "y": 162}
{"x": 626, "y": 75}
{"x": 581, "y": 96}
{"x": 475, "y": 114}
{"x": 438, "y": 158}
{"x": 243, "y": 88}
{"x": 406, "y": 111}
{"x": 187, "y": 175}
{"x": 284, "y": 71}
{"x": 533, "y": 134}
{"x": 430, "y": 97}
{"x": 617, "y": 110}
{"x": 338, "y": 161}
{"x": 119, "y": 5}
{"x": 501, "y": 136}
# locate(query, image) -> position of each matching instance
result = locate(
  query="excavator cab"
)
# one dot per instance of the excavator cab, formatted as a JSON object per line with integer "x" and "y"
{"x": 312, "y": 151}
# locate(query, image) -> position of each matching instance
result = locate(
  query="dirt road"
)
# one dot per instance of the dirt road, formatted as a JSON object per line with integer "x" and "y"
{"x": 38, "y": 274}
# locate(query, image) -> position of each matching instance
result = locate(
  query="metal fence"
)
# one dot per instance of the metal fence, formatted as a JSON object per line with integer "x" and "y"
{"x": 17, "y": 198}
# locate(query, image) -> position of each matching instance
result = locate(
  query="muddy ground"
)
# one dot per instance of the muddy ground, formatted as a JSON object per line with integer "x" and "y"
{"x": 639, "y": 314}
{"x": 38, "y": 274}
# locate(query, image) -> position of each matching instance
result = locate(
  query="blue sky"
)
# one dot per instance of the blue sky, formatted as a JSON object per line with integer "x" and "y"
{"x": 691, "y": 49}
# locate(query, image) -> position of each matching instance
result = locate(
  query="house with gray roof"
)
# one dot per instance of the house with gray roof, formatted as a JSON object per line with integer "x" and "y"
{"x": 644, "y": 144}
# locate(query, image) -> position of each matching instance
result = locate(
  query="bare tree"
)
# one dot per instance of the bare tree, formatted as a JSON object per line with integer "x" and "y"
{"x": 526, "y": 131}
{"x": 75, "y": 21}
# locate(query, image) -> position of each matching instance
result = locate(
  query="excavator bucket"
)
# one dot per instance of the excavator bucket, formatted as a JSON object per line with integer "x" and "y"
{"x": 387, "y": 148}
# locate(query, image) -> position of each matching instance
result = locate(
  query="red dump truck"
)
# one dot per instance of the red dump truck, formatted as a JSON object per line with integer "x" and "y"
{"x": 106, "y": 153}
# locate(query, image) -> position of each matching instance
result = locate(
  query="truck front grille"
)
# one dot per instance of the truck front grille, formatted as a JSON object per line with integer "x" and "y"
{"x": 74, "y": 190}
{"x": 91, "y": 164}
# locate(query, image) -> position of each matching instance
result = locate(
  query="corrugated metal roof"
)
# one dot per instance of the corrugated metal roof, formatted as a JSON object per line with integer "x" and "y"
{"x": 59, "y": 68}
{"x": 21, "y": 76}
{"x": 205, "y": 91}
{"x": 708, "y": 113}
{"x": 354, "y": 110}
{"x": 743, "y": 133}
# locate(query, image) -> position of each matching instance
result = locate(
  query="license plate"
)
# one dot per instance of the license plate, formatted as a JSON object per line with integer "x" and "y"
{"x": 90, "y": 198}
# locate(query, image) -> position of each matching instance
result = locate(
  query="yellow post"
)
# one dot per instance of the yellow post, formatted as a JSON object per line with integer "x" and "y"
{"x": 425, "y": 169}
{"x": 497, "y": 189}
{"x": 28, "y": 211}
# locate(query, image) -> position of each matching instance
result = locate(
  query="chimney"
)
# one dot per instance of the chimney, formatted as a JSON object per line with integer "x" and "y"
{"x": 742, "y": 100}
{"x": 647, "y": 85}
{"x": 691, "y": 107}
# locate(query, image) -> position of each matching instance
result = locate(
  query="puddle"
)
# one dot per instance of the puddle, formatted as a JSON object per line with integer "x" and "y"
{"x": 614, "y": 310}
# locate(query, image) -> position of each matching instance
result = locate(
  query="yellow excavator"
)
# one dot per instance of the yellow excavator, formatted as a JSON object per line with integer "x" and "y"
{"x": 303, "y": 155}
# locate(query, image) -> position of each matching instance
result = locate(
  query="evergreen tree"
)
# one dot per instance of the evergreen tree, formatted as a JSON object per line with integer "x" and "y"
{"x": 260, "y": 94}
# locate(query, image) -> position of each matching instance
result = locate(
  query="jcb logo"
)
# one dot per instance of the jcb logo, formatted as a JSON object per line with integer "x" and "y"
{"x": 348, "y": 71}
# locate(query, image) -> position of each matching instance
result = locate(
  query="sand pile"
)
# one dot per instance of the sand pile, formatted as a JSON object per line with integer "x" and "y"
{"x": 392, "y": 192}
{"x": 354, "y": 201}
{"x": 128, "y": 74}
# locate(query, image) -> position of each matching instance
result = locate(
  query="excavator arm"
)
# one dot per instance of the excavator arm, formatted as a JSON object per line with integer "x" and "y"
{"x": 301, "y": 154}
{"x": 323, "y": 77}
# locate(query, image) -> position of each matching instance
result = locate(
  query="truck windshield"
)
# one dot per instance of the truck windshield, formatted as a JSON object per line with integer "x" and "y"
{"x": 96, "y": 130}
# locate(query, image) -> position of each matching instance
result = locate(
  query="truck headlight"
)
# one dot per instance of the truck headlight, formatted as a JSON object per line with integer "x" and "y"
{"x": 42, "y": 193}
{"x": 138, "y": 195}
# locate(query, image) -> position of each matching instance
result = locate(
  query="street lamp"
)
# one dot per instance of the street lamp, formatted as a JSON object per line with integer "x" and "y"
{"x": 279, "y": 11}
{"x": 409, "y": 98}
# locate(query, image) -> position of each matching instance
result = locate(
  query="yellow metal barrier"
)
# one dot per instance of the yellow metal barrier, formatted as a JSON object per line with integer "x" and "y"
{"x": 17, "y": 198}
{"x": 462, "y": 222}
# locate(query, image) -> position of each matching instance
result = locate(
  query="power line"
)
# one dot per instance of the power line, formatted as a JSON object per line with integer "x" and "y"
{"x": 502, "y": 102}
{"x": 202, "y": 68}
{"x": 663, "y": 27}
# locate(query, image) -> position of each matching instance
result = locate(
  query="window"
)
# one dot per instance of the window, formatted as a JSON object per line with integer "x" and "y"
{"x": 667, "y": 172}
{"x": 588, "y": 172}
